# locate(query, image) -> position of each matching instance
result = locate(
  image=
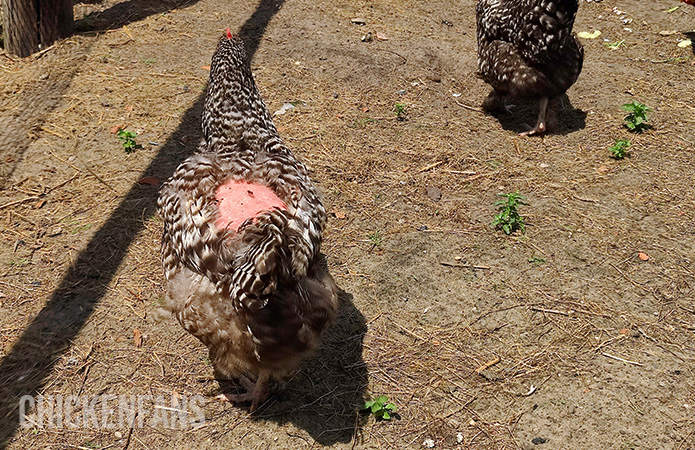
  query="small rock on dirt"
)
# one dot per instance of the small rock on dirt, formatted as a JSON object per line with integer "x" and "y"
{"x": 283, "y": 109}
{"x": 434, "y": 193}
{"x": 428, "y": 443}
{"x": 359, "y": 21}
{"x": 538, "y": 440}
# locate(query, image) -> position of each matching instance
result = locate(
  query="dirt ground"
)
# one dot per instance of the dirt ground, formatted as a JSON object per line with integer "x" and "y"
{"x": 578, "y": 334}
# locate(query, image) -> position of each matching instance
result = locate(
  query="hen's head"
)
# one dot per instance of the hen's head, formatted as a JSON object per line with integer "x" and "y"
{"x": 690, "y": 2}
{"x": 229, "y": 59}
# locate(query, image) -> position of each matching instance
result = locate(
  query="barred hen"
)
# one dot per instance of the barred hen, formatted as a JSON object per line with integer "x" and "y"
{"x": 242, "y": 234}
{"x": 526, "y": 49}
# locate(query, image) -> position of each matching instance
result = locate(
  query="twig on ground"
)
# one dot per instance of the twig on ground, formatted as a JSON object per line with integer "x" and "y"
{"x": 617, "y": 358}
{"x": 469, "y": 266}
{"x": 487, "y": 365}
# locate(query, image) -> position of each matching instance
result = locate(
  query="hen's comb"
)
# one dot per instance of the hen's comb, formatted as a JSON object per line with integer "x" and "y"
{"x": 229, "y": 34}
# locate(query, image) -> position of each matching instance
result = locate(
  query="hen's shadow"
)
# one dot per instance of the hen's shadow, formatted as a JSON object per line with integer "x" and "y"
{"x": 524, "y": 113}
{"x": 324, "y": 398}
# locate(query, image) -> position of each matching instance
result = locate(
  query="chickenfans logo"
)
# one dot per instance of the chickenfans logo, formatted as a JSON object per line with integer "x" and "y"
{"x": 110, "y": 411}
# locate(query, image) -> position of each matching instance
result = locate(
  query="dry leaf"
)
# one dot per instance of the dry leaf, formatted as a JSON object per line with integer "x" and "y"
{"x": 643, "y": 256}
{"x": 339, "y": 214}
{"x": 114, "y": 129}
{"x": 152, "y": 181}
{"x": 205, "y": 67}
{"x": 624, "y": 331}
{"x": 137, "y": 337}
{"x": 129, "y": 107}
{"x": 587, "y": 35}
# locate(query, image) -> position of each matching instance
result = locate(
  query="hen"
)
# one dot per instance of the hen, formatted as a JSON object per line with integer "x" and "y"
{"x": 242, "y": 234}
{"x": 526, "y": 49}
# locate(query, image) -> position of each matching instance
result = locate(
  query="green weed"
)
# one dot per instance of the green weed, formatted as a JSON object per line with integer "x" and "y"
{"x": 128, "y": 140}
{"x": 375, "y": 238}
{"x": 636, "y": 119}
{"x": 401, "y": 111}
{"x": 508, "y": 218}
{"x": 619, "y": 149}
{"x": 380, "y": 407}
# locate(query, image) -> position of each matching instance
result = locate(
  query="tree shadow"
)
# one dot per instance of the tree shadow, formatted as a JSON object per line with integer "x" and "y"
{"x": 41, "y": 98}
{"x": 126, "y": 12}
{"x": 325, "y": 397}
{"x": 25, "y": 369}
{"x": 524, "y": 113}
{"x": 37, "y": 101}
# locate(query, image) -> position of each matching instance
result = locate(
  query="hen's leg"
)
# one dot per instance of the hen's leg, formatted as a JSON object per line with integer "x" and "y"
{"x": 255, "y": 393}
{"x": 541, "y": 125}
{"x": 494, "y": 103}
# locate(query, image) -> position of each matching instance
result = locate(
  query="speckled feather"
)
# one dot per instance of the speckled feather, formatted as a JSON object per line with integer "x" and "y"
{"x": 526, "y": 47}
{"x": 258, "y": 298}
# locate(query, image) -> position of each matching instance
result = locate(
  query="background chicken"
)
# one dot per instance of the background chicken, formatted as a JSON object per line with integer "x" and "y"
{"x": 242, "y": 234}
{"x": 526, "y": 49}
{"x": 690, "y": 2}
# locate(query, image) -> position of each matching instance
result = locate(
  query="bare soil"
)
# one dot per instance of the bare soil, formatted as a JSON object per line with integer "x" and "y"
{"x": 486, "y": 341}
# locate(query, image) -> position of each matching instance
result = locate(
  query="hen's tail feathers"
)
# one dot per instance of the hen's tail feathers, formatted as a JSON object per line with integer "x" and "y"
{"x": 247, "y": 264}
{"x": 234, "y": 115}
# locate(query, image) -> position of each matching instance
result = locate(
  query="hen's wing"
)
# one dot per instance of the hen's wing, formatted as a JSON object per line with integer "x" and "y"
{"x": 546, "y": 29}
{"x": 537, "y": 29}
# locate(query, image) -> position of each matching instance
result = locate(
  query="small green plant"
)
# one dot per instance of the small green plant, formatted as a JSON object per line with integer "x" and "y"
{"x": 619, "y": 149}
{"x": 536, "y": 260}
{"x": 636, "y": 119}
{"x": 614, "y": 45}
{"x": 380, "y": 407}
{"x": 401, "y": 111}
{"x": 375, "y": 238}
{"x": 508, "y": 218}
{"x": 128, "y": 140}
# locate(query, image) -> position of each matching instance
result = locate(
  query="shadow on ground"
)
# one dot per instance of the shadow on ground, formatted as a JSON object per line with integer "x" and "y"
{"x": 41, "y": 98}
{"x": 325, "y": 397}
{"x": 524, "y": 113}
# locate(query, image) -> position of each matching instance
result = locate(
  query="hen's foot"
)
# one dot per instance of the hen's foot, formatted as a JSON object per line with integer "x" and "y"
{"x": 496, "y": 104}
{"x": 541, "y": 126}
{"x": 256, "y": 393}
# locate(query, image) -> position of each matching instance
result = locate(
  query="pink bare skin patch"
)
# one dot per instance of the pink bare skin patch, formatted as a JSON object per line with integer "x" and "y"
{"x": 238, "y": 201}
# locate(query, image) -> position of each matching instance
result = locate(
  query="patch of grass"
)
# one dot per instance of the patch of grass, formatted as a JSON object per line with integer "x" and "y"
{"x": 401, "y": 111}
{"x": 619, "y": 149}
{"x": 636, "y": 119}
{"x": 380, "y": 407}
{"x": 508, "y": 218}
{"x": 128, "y": 140}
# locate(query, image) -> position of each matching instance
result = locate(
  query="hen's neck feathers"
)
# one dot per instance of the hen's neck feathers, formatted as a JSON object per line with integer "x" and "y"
{"x": 235, "y": 117}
